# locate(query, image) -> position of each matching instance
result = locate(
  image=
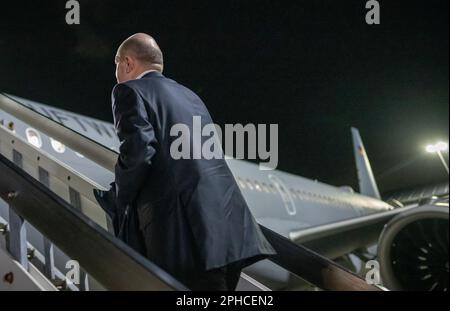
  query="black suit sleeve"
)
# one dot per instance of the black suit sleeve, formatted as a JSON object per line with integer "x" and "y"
{"x": 137, "y": 143}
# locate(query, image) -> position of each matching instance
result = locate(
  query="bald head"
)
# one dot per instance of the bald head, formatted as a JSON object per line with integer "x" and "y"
{"x": 136, "y": 54}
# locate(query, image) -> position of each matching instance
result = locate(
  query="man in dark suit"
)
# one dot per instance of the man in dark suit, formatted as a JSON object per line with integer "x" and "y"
{"x": 186, "y": 215}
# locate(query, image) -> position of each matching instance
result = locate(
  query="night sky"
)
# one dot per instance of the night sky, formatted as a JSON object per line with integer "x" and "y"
{"x": 312, "y": 66}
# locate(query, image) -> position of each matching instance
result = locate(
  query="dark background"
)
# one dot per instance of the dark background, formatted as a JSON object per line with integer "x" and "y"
{"x": 314, "y": 67}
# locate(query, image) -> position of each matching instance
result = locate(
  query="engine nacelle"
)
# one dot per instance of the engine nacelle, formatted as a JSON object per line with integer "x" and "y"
{"x": 413, "y": 250}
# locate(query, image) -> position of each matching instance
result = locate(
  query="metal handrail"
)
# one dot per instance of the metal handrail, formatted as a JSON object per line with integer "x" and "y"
{"x": 91, "y": 149}
{"x": 89, "y": 243}
{"x": 294, "y": 258}
{"x": 312, "y": 267}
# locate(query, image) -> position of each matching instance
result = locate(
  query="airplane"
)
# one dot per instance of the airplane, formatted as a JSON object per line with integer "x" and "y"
{"x": 337, "y": 222}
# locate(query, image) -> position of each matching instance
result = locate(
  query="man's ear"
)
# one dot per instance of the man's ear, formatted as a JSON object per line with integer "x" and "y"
{"x": 129, "y": 64}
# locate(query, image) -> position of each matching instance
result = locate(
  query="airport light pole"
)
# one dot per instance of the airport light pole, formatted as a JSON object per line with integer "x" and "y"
{"x": 439, "y": 148}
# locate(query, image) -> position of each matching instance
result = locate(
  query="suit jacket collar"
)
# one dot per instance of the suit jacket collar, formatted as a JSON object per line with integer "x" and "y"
{"x": 152, "y": 74}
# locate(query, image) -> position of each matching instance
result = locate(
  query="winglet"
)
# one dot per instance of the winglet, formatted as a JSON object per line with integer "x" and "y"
{"x": 367, "y": 183}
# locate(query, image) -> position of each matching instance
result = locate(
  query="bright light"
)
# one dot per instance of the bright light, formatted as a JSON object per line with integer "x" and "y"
{"x": 431, "y": 149}
{"x": 57, "y": 146}
{"x": 438, "y": 147}
{"x": 33, "y": 137}
{"x": 442, "y": 146}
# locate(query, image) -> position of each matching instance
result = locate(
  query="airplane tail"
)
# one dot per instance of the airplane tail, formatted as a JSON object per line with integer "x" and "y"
{"x": 367, "y": 183}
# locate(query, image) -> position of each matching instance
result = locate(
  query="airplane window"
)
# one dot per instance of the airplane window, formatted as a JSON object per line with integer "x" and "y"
{"x": 249, "y": 184}
{"x": 257, "y": 186}
{"x": 293, "y": 193}
{"x": 241, "y": 183}
{"x": 273, "y": 189}
{"x": 33, "y": 137}
{"x": 265, "y": 188}
{"x": 284, "y": 190}
{"x": 57, "y": 146}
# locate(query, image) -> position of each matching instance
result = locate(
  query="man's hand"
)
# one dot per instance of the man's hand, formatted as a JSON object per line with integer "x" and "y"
{"x": 107, "y": 201}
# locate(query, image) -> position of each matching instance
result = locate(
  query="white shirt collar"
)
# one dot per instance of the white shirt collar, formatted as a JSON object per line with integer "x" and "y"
{"x": 144, "y": 73}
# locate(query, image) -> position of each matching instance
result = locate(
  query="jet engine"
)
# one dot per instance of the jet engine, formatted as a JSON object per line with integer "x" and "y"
{"x": 413, "y": 250}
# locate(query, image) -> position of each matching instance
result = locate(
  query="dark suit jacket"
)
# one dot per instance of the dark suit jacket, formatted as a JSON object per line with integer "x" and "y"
{"x": 190, "y": 213}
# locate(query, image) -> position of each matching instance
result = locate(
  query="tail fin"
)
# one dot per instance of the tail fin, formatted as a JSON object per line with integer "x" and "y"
{"x": 367, "y": 183}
